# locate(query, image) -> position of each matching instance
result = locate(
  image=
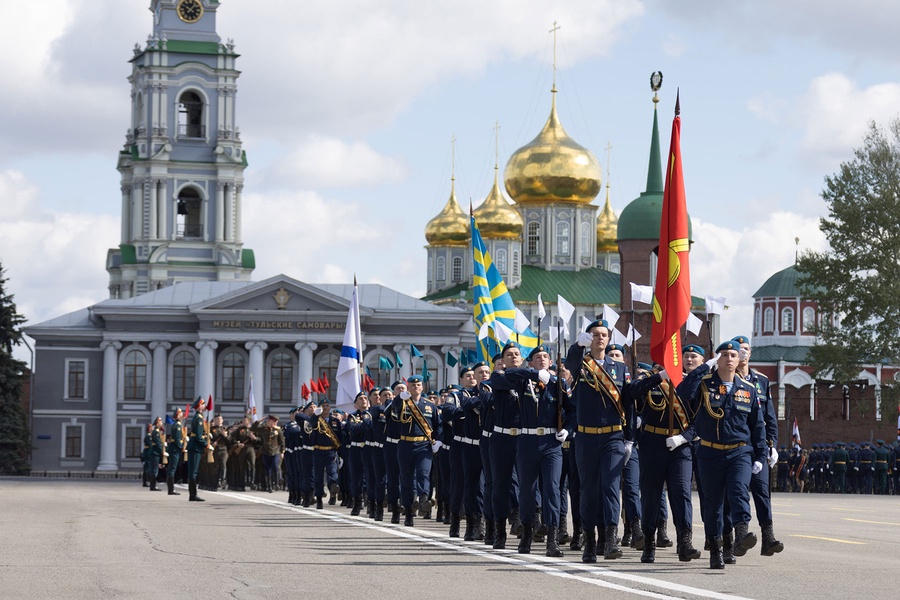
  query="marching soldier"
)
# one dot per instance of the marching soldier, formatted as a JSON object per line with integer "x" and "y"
{"x": 272, "y": 439}
{"x": 838, "y": 466}
{"x": 357, "y": 424}
{"x": 378, "y": 439}
{"x": 783, "y": 468}
{"x": 175, "y": 448}
{"x": 882, "y": 463}
{"x": 327, "y": 431}
{"x": 153, "y": 444}
{"x": 198, "y": 442}
{"x": 218, "y": 436}
{"x": 866, "y": 467}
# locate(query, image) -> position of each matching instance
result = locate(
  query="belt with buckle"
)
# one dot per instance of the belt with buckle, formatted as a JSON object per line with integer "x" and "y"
{"x": 306, "y": 447}
{"x": 391, "y": 440}
{"x": 357, "y": 444}
{"x": 413, "y": 438}
{"x": 840, "y": 462}
{"x": 661, "y": 430}
{"x": 715, "y": 446}
{"x": 513, "y": 431}
{"x": 375, "y": 444}
{"x": 486, "y": 434}
{"x": 465, "y": 440}
{"x": 538, "y": 431}
{"x": 325, "y": 447}
{"x": 566, "y": 444}
{"x": 599, "y": 430}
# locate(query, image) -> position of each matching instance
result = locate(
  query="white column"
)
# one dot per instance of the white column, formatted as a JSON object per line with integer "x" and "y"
{"x": 452, "y": 372}
{"x": 878, "y": 394}
{"x": 220, "y": 211}
{"x": 207, "y": 375}
{"x": 237, "y": 213}
{"x": 812, "y": 401}
{"x": 137, "y": 212}
{"x": 257, "y": 371}
{"x": 162, "y": 211}
{"x": 305, "y": 365}
{"x": 208, "y": 233}
{"x": 403, "y": 351}
{"x": 781, "y": 407}
{"x": 154, "y": 184}
{"x": 229, "y": 212}
{"x": 158, "y": 386}
{"x": 108, "y": 412}
{"x": 126, "y": 214}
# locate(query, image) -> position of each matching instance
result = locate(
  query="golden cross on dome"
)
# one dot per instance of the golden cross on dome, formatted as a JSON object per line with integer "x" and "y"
{"x": 496, "y": 144}
{"x": 553, "y": 31}
{"x": 453, "y": 157}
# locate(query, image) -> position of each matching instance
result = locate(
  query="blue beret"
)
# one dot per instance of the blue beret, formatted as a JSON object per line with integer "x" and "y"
{"x": 694, "y": 348}
{"x": 729, "y": 345}
{"x": 509, "y": 344}
{"x": 324, "y": 401}
{"x": 741, "y": 339}
{"x": 414, "y": 379}
{"x": 597, "y": 323}
{"x": 395, "y": 384}
{"x": 465, "y": 370}
{"x": 645, "y": 366}
{"x": 496, "y": 357}
{"x": 479, "y": 364}
{"x": 361, "y": 394}
{"x": 454, "y": 388}
{"x": 541, "y": 348}
{"x": 618, "y": 347}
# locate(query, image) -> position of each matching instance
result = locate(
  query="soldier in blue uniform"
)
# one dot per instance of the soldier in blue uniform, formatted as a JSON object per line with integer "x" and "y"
{"x": 376, "y": 438}
{"x": 198, "y": 442}
{"x": 175, "y": 448}
{"x": 759, "y": 482}
{"x": 604, "y": 435}
{"x": 838, "y": 466}
{"x": 449, "y": 459}
{"x": 866, "y": 467}
{"x": 468, "y": 441}
{"x": 729, "y": 422}
{"x": 783, "y": 468}
{"x": 479, "y": 409}
{"x": 356, "y": 425}
{"x": 373, "y": 458}
{"x": 392, "y": 467}
{"x": 325, "y": 438}
{"x": 882, "y": 464}
{"x": 293, "y": 442}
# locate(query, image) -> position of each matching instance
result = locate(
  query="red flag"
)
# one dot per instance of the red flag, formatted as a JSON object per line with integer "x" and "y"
{"x": 368, "y": 383}
{"x": 672, "y": 295}
{"x": 187, "y": 411}
{"x": 324, "y": 381}
{"x": 314, "y": 386}
{"x": 209, "y": 408}
{"x": 304, "y": 392}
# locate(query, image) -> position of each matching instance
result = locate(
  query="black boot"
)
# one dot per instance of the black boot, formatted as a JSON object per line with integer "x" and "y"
{"x": 307, "y": 499}
{"x": 627, "y": 531}
{"x": 153, "y": 487}
{"x": 500, "y": 534}
{"x": 553, "y": 542}
{"x": 370, "y": 508}
{"x": 590, "y": 546}
{"x": 408, "y": 522}
{"x": 686, "y": 550}
{"x": 728, "y": 547}
{"x": 446, "y": 517}
{"x": 649, "y": 553}
{"x": 395, "y": 513}
{"x": 527, "y": 537}
{"x": 538, "y": 527}
{"x": 469, "y": 536}
{"x": 454, "y": 526}
{"x": 357, "y": 506}
{"x": 662, "y": 537}
{"x": 577, "y": 541}
{"x": 715, "y": 554}
{"x": 192, "y": 486}
{"x": 562, "y": 533}
{"x": 743, "y": 539}
{"x": 637, "y": 535}
{"x": 319, "y": 503}
{"x": 439, "y": 515}
{"x": 610, "y": 550}
{"x": 170, "y": 483}
{"x": 477, "y": 528}
{"x": 489, "y": 532}
{"x": 379, "y": 512}
{"x": 769, "y": 544}
{"x": 515, "y": 523}
{"x": 144, "y": 480}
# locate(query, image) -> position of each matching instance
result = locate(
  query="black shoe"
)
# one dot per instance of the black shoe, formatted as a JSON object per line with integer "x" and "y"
{"x": 477, "y": 528}
{"x": 454, "y": 526}
{"x": 515, "y": 523}
{"x": 686, "y": 550}
{"x": 319, "y": 505}
{"x": 716, "y": 560}
{"x": 727, "y": 547}
{"x": 577, "y": 542}
{"x": 408, "y": 522}
{"x": 500, "y": 534}
{"x": 626, "y": 533}
{"x": 489, "y": 532}
{"x": 770, "y": 546}
{"x": 553, "y": 549}
{"x": 527, "y": 538}
{"x": 610, "y": 549}
{"x": 395, "y": 513}
{"x": 637, "y": 535}
{"x": 649, "y": 553}
{"x": 743, "y": 539}
{"x": 662, "y": 538}
{"x": 590, "y": 546}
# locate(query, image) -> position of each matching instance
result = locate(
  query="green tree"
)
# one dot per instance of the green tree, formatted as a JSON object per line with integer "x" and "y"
{"x": 856, "y": 282}
{"x": 15, "y": 439}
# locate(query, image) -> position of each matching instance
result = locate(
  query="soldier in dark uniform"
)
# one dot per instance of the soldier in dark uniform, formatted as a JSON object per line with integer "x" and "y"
{"x": 783, "y": 468}
{"x": 198, "y": 442}
{"x": 272, "y": 441}
{"x": 729, "y": 422}
{"x": 219, "y": 437}
{"x": 632, "y": 534}
{"x": 838, "y": 466}
{"x": 852, "y": 468}
{"x": 293, "y": 441}
{"x": 479, "y": 409}
{"x": 153, "y": 444}
{"x": 327, "y": 432}
{"x": 896, "y": 466}
{"x": 392, "y": 467}
{"x": 882, "y": 464}
{"x": 175, "y": 448}
{"x": 866, "y": 467}
{"x": 470, "y": 440}
{"x": 145, "y": 455}
{"x": 376, "y": 439}
{"x": 449, "y": 459}
{"x": 307, "y": 484}
{"x": 356, "y": 425}
{"x": 604, "y": 435}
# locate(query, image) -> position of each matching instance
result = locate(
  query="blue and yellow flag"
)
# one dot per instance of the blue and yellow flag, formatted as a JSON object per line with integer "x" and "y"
{"x": 494, "y": 306}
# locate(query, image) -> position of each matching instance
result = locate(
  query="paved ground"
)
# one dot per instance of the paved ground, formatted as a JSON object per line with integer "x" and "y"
{"x": 115, "y": 539}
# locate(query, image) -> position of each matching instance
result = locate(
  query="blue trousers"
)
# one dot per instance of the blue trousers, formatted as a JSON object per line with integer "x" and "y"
{"x": 444, "y": 481}
{"x": 414, "y": 459}
{"x": 473, "y": 496}
{"x": 392, "y": 472}
{"x": 574, "y": 485}
{"x": 324, "y": 466}
{"x": 357, "y": 471}
{"x": 600, "y": 460}
{"x": 539, "y": 456}
{"x": 306, "y": 471}
{"x": 631, "y": 487}
{"x": 759, "y": 489}
{"x": 484, "y": 449}
{"x": 661, "y": 468}
{"x": 375, "y": 484}
{"x": 503, "y": 462}
{"x": 455, "y": 481}
{"x": 725, "y": 474}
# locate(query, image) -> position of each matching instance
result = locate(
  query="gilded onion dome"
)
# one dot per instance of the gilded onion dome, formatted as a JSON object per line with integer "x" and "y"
{"x": 552, "y": 168}
{"x": 451, "y": 226}
{"x": 496, "y": 217}
{"x": 607, "y": 228}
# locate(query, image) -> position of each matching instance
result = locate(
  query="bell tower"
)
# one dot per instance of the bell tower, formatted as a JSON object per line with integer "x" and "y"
{"x": 182, "y": 166}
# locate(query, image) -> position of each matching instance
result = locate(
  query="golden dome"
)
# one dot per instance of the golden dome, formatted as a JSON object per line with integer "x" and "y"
{"x": 552, "y": 168}
{"x": 496, "y": 217}
{"x": 607, "y": 228}
{"x": 451, "y": 226}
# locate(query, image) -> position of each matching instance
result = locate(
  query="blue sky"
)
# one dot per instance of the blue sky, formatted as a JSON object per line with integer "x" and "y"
{"x": 347, "y": 110}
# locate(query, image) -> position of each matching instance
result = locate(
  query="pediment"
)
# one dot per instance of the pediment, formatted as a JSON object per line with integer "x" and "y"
{"x": 276, "y": 294}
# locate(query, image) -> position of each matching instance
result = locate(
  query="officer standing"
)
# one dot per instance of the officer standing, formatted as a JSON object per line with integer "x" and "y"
{"x": 154, "y": 448}
{"x": 882, "y": 462}
{"x": 198, "y": 442}
{"x": 838, "y": 466}
{"x": 175, "y": 448}
{"x": 866, "y": 467}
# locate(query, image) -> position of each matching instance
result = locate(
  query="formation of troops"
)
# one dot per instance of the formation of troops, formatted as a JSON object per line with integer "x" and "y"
{"x": 514, "y": 450}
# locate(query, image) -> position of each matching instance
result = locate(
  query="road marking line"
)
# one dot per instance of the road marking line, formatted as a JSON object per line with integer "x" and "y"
{"x": 873, "y": 522}
{"x": 783, "y": 514}
{"x": 848, "y": 509}
{"x": 551, "y": 566}
{"x": 828, "y": 539}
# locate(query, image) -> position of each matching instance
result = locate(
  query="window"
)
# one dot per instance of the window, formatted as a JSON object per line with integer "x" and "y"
{"x": 441, "y": 269}
{"x": 769, "y": 320}
{"x": 281, "y": 383}
{"x": 233, "y": 377}
{"x": 184, "y": 370}
{"x": 76, "y": 378}
{"x": 585, "y": 239}
{"x": 190, "y": 116}
{"x": 787, "y": 320}
{"x": 501, "y": 260}
{"x": 380, "y": 375}
{"x": 327, "y": 365}
{"x": 457, "y": 269}
{"x": 430, "y": 274}
{"x": 73, "y": 435}
{"x": 515, "y": 261}
{"x": 133, "y": 441}
{"x": 534, "y": 238}
{"x": 757, "y": 318}
{"x": 429, "y": 373}
{"x": 809, "y": 320}
{"x": 188, "y": 225}
{"x": 562, "y": 239}
{"x": 135, "y": 376}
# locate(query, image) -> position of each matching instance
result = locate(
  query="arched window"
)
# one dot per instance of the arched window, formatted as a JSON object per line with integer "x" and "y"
{"x": 534, "y": 239}
{"x": 380, "y": 370}
{"x": 501, "y": 260}
{"x": 757, "y": 318}
{"x": 184, "y": 370}
{"x": 456, "y": 270}
{"x": 586, "y": 239}
{"x": 787, "y": 319}
{"x": 515, "y": 264}
{"x": 233, "y": 375}
{"x": 327, "y": 366}
{"x": 769, "y": 320}
{"x": 563, "y": 247}
{"x": 281, "y": 378}
{"x": 190, "y": 116}
{"x": 188, "y": 224}
{"x": 441, "y": 269}
{"x": 135, "y": 376}
{"x": 809, "y": 319}
{"x": 430, "y": 274}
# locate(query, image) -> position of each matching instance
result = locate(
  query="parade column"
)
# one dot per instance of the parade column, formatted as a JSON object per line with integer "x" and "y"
{"x": 158, "y": 381}
{"x": 108, "y": 411}
{"x": 207, "y": 367}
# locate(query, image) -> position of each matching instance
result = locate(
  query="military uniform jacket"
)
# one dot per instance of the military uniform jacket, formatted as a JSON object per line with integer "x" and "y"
{"x": 197, "y": 440}
{"x": 653, "y": 405}
{"x": 176, "y": 438}
{"x": 839, "y": 460}
{"x": 272, "y": 441}
{"x": 453, "y": 418}
{"x": 505, "y": 403}
{"x": 539, "y": 405}
{"x": 597, "y": 408}
{"x": 293, "y": 435}
{"x": 356, "y": 425}
{"x": 409, "y": 425}
{"x": 866, "y": 459}
{"x": 320, "y": 438}
{"x": 378, "y": 424}
{"x": 764, "y": 395}
{"x": 882, "y": 458}
{"x": 471, "y": 411}
{"x": 219, "y": 438}
{"x": 479, "y": 409}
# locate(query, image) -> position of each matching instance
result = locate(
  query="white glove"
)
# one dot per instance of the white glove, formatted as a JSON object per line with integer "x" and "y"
{"x": 317, "y": 411}
{"x": 757, "y": 467}
{"x": 663, "y": 375}
{"x": 675, "y": 441}
{"x": 585, "y": 339}
{"x": 629, "y": 446}
{"x": 436, "y": 446}
{"x": 561, "y": 435}
{"x": 404, "y": 395}
{"x": 743, "y": 354}
{"x": 712, "y": 362}
{"x": 340, "y": 463}
{"x": 544, "y": 376}
{"x": 773, "y": 457}
{"x": 638, "y": 422}
{"x": 856, "y": 468}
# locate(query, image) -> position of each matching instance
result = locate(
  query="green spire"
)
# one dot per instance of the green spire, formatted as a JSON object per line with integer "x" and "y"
{"x": 654, "y": 170}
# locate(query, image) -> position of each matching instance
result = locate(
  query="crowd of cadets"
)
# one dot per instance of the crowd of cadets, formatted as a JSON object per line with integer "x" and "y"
{"x": 515, "y": 449}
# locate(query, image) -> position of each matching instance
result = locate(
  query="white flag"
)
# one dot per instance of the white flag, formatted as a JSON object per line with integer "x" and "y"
{"x": 641, "y": 293}
{"x": 633, "y": 334}
{"x": 483, "y": 331}
{"x": 251, "y": 400}
{"x": 694, "y": 324}
{"x": 610, "y": 316}
{"x": 542, "y": 312}
{"x": 522, "y": 322}
{"x": 553, "y": 334}
{"x": 619, "y": 338}
{"x": 715, "y": 305}
{"x": 502, "y": 332}
{"x": 347, "y": 376}
{"x": 566, "y": 310}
